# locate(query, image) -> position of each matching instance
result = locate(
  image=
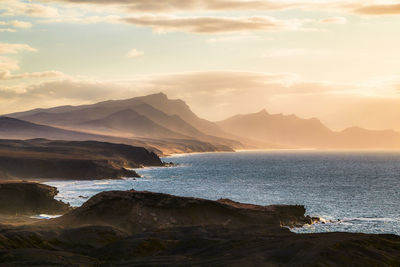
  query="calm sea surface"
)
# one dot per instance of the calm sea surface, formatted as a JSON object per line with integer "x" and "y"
{"x": 358, "y": 191}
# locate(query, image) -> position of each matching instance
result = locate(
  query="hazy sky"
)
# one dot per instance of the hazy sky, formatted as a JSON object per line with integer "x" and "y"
{"x": 338, "y": 60}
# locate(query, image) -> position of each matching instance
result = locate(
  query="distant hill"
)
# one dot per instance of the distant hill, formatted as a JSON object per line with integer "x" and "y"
{"x": 174, "y": 121}
{"x": 356, "y": 137}
{"x": 159, "y": 123}
{"x": 289, "y": 131}
{"x": 41, "y": 158}
{"x": 11, "y": 128}
{"x": 130, "y": 122}
{"x": 153, "y": 116}
{"x": 156, "y": 106}
{"x": 293, "y": 132}
{"x": 19, "y": 129}
{"x": 178, "y": 107}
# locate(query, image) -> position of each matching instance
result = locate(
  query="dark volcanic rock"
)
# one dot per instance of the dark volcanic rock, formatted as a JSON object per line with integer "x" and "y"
{"x": 137, "y": 212}
{"x": 30, "y": 199}
{"x": 193, "y": 246}
{"x": 53, "y": 168}
{"x": 40, "y": 158}
{"x": 250, "y": 246}
{"x": 108, "y": 231}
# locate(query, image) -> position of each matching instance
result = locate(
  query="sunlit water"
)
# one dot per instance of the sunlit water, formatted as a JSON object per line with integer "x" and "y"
{"x": 359, "y": 191}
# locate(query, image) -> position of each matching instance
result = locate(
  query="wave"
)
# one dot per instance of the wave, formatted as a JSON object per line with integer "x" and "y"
{"x": 45, "y": 216}
{"x": 102, "y": 183}
{"x": 371, "y": 219}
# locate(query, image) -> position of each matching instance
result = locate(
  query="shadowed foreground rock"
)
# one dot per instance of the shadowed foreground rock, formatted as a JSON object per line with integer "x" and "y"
{"x": 26, "y": 198}
{"x": 148, "y": 229}
{"x": 136, "y": 212}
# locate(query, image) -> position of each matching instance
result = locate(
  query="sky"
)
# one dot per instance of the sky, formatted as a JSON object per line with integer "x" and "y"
{"x": 337, "y": 60}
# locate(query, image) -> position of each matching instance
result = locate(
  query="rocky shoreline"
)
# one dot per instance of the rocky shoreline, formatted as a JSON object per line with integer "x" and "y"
{"x": 136, "y": 212}
{"x": 132, "y": 228}
{"x": 77, "y": 160}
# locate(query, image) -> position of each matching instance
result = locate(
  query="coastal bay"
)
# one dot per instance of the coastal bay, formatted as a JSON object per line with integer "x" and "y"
{"x": 132, "y": 228}
{"x": 354, "y": 191}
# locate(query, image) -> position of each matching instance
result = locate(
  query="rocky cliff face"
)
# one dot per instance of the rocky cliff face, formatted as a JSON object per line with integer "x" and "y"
{"x": 76, "y": 169}
{"x": 30, "y": 199}
{"x": 41, "y": 158}
{"x": 136, "y": 212}
{"x": 149, "y": 229}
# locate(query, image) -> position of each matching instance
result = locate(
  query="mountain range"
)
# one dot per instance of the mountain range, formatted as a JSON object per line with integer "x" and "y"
{"x": 169, "y": 126}
{"x": 291, "y": 131}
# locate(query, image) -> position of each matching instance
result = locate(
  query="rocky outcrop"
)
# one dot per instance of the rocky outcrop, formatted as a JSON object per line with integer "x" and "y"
{"x": 30, "y": 199}
{"x": 148, "y": 229}
{"x": 136, "y": 212}
{"x": 53, "y": 168}
{"x": 45, "y": 159}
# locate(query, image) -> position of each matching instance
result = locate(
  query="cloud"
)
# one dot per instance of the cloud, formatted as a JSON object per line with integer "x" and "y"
{"x": 212, "y": 25}
{"x": 386, "y": 9}
{"x": 333, "y": 20}
{"x": 376, "y": 7}
{"x": 7, "y": 64}
{"x": 237, "y": 92}
{"x": 62, "y": 91}
{"x": 15, "y": 24}
{"x": 162, "y": 19}
{"x": 7, "y": 30}
{"x": 167, "y": 6}
{"x": 21, "y": 8}
{"x": 6, "y": 48}
{"x": 96, "y": 11}
{"x": 238, "y": 37}
{"x": 84, "y": 19}
{"x": 296, "y": 52}
{"x": 134, "y": 53}
{"x": 6, "y": 75}
{"x": 21, "y": 24}
{"x": 197, "y": 88}
{"x": 202, "y": 83}
{"x": 197, "y": 24}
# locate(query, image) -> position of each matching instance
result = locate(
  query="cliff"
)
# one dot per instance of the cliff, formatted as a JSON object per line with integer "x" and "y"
{"x": 45, "y": 159}
{"x": 30, "y": 199}
{"x": 136, "y": 212}
{"x": 148, "y": 229}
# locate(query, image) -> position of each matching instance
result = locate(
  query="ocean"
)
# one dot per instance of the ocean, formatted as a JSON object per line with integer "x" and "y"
{"x": 353, "y": 191}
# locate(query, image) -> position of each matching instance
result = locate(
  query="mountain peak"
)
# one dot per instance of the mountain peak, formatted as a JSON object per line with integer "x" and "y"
{"x": 263, "y": 112}
{"x": 158, "y": 96}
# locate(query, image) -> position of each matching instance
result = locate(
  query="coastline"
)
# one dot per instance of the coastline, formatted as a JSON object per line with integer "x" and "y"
{"x": 311, "y": 150}
{"x": 149, "y": 168}
{"x": 145, "y": 229}
{"x": 169, "y": 180}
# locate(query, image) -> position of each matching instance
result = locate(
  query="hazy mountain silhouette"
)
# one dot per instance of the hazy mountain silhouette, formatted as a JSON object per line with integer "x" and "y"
{"x": 66, "y": 115}
{"x": 11, "y": 128}
{"x": 289, "y": 131}
{"x": 170, "y": 125}
{"x": 293, "y": 132}
{"x": 168, "y": 121}
{"x": 161, "y": 118}
{"x": 132, "y": 123}
{"x": 66, "y": 118}
{"x": 78, "y": 117}
{"x": 178, "y": 107}
{"x": 356, "y": 137}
